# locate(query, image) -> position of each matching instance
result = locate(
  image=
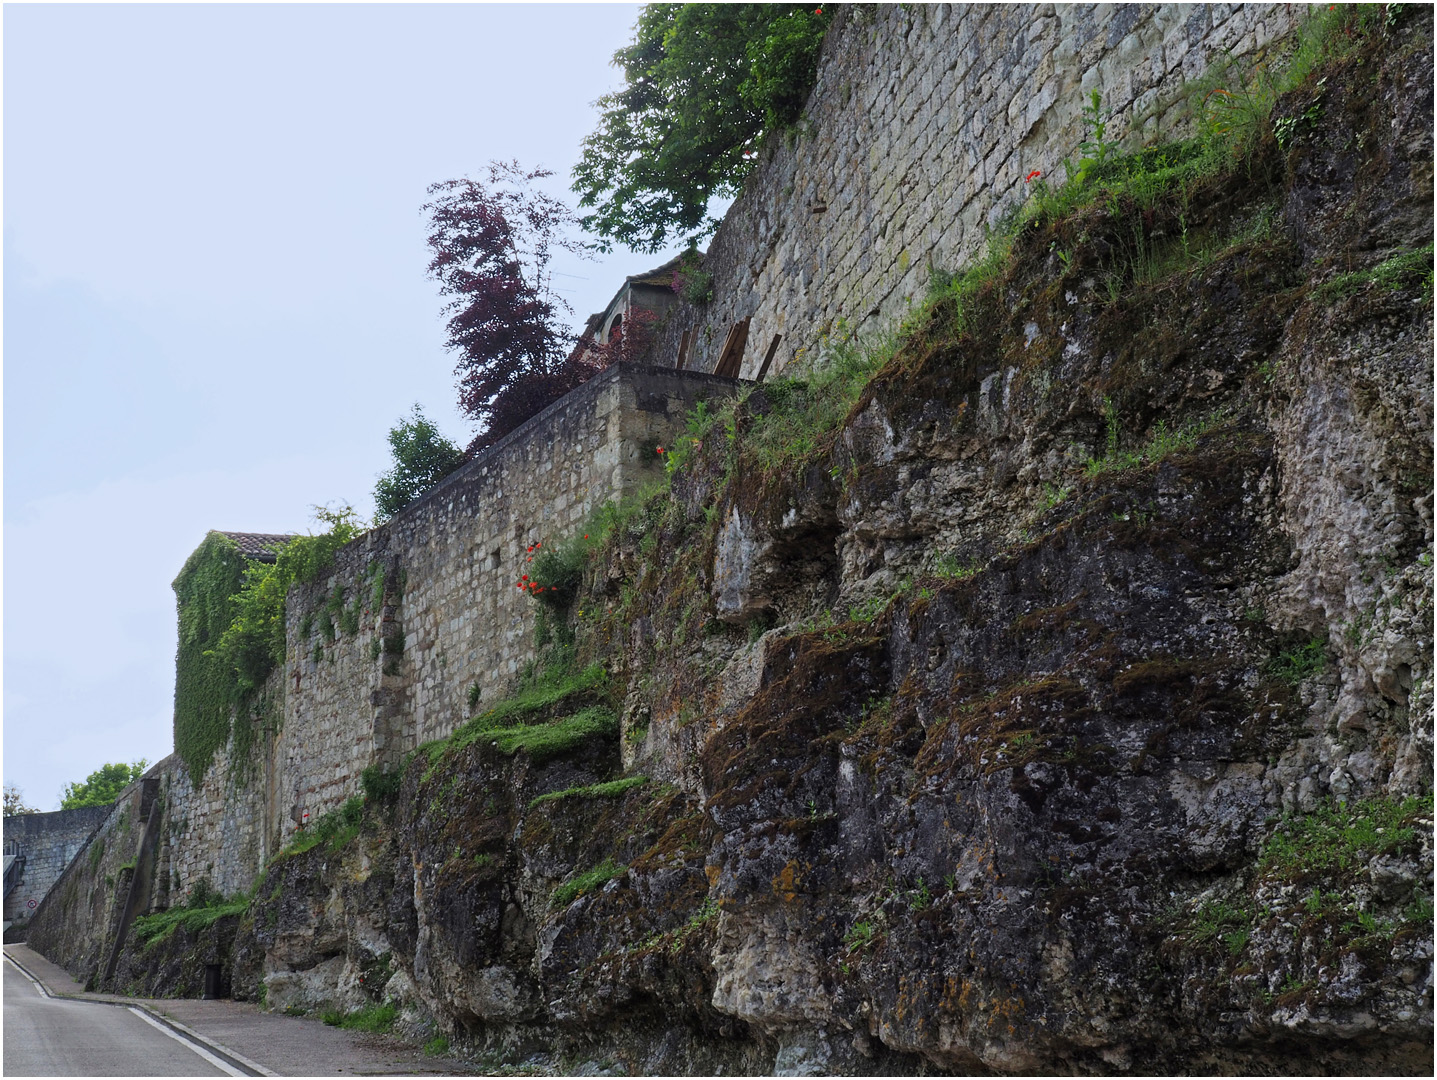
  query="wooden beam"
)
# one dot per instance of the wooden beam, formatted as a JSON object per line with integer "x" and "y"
{"x": 768, "y": 357}
{"x": 683, "y": 349}
{"x": 731, "y": 359}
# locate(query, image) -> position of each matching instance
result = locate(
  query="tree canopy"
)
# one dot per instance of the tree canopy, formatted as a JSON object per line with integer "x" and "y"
{"x": 15, "y": 802}
{"x": 422, "y": 457}
{"x": 103, "y": 786}
{"x": 491, "y": 243}
{"x": 704, "y": 84}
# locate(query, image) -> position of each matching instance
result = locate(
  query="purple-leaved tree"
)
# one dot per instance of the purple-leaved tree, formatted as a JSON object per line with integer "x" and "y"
{"x": 491, "y": 243}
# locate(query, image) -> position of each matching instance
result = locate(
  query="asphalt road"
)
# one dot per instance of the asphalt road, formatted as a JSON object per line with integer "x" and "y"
{"x": 47, "y": 1036}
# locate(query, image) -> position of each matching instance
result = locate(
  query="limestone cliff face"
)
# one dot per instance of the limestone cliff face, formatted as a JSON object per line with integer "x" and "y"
{"x": 1069, "y": 711}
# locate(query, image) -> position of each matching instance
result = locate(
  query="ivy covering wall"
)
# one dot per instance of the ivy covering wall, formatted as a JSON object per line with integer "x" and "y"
{"x": 204, "y": 679}
{"x": 232, "y": 620}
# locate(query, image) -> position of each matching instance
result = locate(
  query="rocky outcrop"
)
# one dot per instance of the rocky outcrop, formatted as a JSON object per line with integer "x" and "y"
{"x": 1065, "y": 707}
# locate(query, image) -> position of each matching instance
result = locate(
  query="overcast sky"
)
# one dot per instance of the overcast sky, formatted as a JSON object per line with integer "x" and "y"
{"x": 216, "y": 305}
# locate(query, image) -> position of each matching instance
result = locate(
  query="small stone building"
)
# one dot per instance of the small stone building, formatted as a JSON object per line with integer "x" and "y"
{"x": 642, "y": 301}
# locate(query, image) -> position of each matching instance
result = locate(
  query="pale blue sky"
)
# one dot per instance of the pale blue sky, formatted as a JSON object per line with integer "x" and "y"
{"x": 215, "y": 300}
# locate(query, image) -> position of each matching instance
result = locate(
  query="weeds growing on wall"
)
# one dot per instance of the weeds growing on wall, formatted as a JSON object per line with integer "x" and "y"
{"x": 610, "y": 790}
{"x": 202, "y": 910}
{"x": 803, "y": 412}
{"x": 1340, "y": 837}
{"x": 542, "y": 742}
{"x": 335, "y": 830}
{"x": 546, "y": 688}
{"x": 380, "y": 784}
{"x": 587, "y": 882}
{"x": 253, "y": 644}
{"x": 555, "y": 709}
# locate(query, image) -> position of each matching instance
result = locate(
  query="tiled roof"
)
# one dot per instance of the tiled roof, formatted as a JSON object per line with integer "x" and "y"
{"x": 660, "y": 275}
{"x": 258, "y": 546}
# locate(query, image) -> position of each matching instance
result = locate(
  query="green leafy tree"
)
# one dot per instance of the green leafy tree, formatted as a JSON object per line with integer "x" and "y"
{"x": 704, "y": 84}
{"x": 103, "y": 786}
{"x": 15, "y": 802}
{"x": 422, "y": 458}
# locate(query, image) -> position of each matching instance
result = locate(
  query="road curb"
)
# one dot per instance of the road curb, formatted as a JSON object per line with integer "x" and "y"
{"x": 239, "y": 1061}
{"x": 230, "y": 1057}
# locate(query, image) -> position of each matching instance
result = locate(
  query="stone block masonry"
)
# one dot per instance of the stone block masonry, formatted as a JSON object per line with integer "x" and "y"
{"x": 384, "y": 651}
{"x": 47, "y": 843}
{"x": 77, "y": 916}
{"x": 918, "y": 135}
{"x": 216, "y": 831}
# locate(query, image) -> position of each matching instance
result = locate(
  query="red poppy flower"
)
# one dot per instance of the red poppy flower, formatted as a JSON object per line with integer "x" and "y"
{"x": 1032, "y": 176}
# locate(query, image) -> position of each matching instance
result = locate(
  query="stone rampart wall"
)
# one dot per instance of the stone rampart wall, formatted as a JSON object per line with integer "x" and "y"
{"x": 430, "y": 599}
{"x": 924, "y": 122}
{"x": 921, "y": 128}
{"x": 47, "y": 843}
{"x": 74, "y": 920}
{"x": 423, "y": 608}
{"x": 217, "y": 832}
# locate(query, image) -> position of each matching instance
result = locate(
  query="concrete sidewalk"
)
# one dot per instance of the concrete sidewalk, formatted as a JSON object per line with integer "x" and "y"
{"x": 257, "y": 1042}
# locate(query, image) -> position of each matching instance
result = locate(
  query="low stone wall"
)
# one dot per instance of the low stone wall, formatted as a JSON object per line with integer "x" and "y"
{"x": 924, "y": 122}
{"x": 47, "y": 843}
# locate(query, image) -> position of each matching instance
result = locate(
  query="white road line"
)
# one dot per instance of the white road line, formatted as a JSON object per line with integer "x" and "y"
{"x": 223, "y": 1066}
{"x": 255, "y": 1068}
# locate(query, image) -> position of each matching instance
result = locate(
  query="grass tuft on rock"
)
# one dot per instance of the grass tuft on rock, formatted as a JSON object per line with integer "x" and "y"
{"x": 609, "y": 790}
{"x": 1342, "y": 836}
{"x": 155, "y": 928}
{"x": 541, "y": 742}
{"x": 587, "y": 882}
